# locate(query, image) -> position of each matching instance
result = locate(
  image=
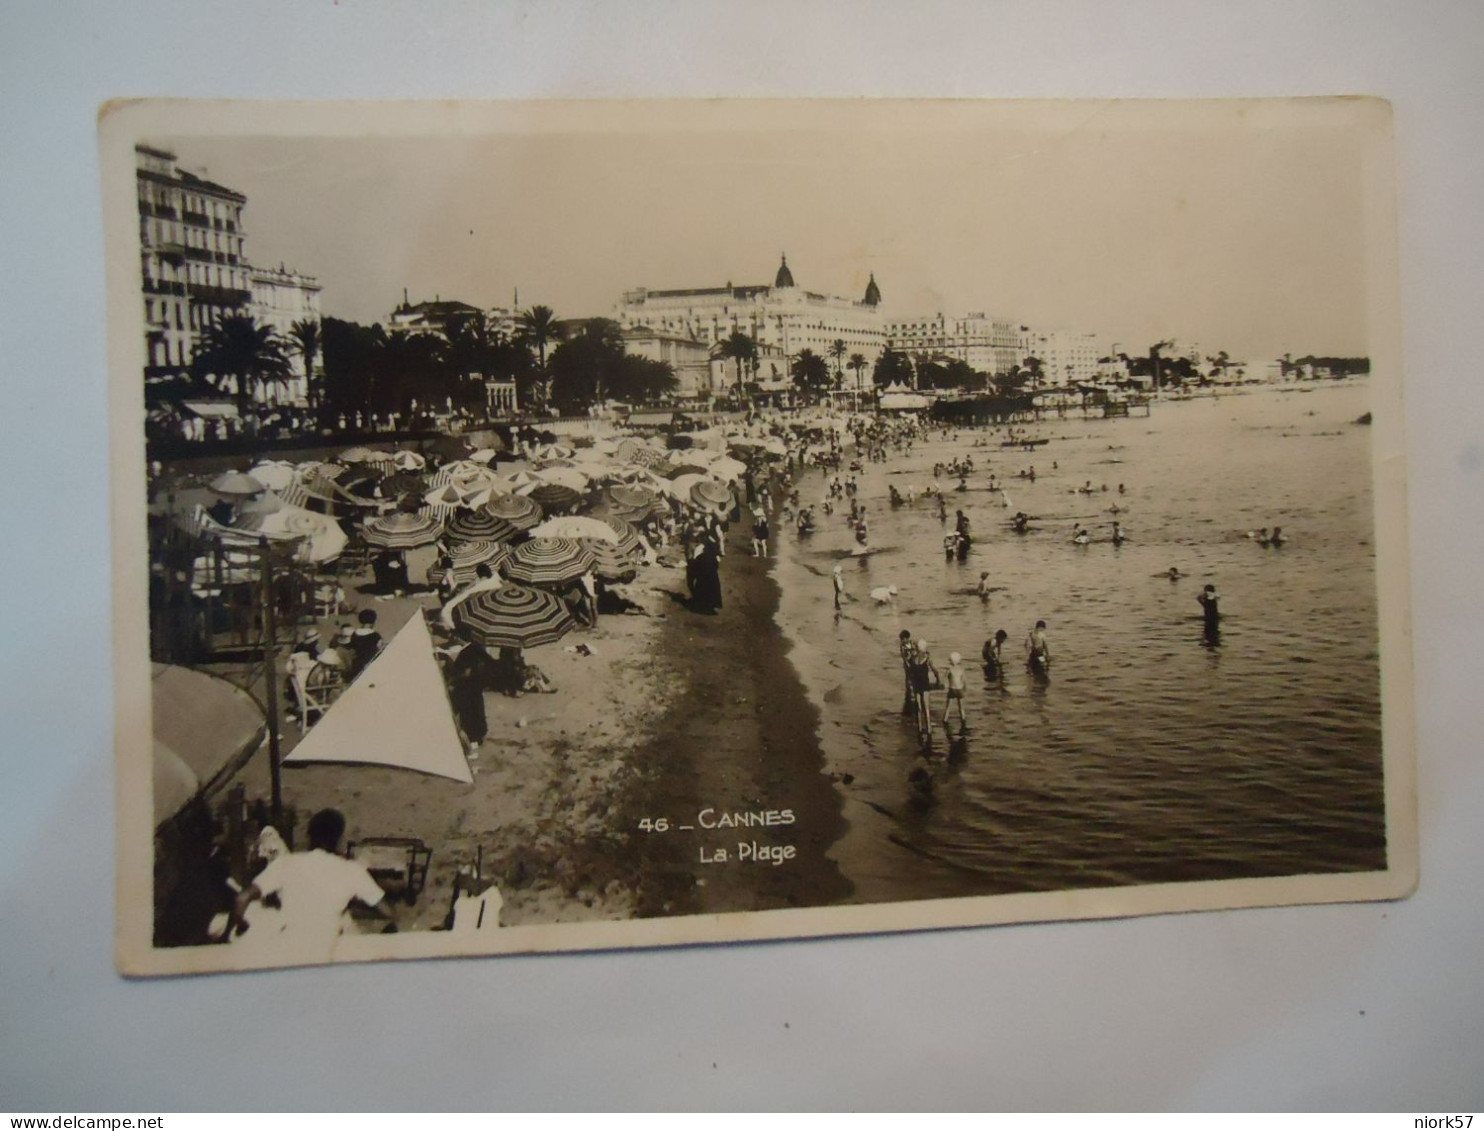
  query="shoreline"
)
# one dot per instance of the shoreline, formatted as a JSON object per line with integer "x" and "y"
{"x": 739, "y": 735}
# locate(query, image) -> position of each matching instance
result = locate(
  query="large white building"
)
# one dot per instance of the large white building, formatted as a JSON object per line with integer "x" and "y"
{"x": 192, "y": 258}
{"x": 280, "y": 299}
{"x": 1067, "y": 357}
{"x": 783, "y": 319}
{"x": 987, "y": 345}
{"x": 195, "y": 270}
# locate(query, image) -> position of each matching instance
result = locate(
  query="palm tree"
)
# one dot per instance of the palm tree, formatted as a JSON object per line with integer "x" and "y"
{"x": 538, "y": 329}
{"x": 836, "y": 353}
{"x": 741, "y": 349}
{"x": 306, "y": 335}
{"x": 810, "y": 371}
{"x": 251, "y": 354}
{"x": 858, "y": 363}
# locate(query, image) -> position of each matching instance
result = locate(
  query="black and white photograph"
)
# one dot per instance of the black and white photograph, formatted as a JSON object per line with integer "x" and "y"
{"x": 571, "y": 526}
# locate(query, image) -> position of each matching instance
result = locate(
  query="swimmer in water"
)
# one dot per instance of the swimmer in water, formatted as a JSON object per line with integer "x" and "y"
{"x": 1118, "y": 536}
{"x": 1211, "y": 610}
{"x": 983, "y": 589}
{"x": 1080, "y": 537}
{"x": 1174, "y": 574}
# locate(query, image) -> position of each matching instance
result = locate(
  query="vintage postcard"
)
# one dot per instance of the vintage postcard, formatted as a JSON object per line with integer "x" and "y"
{"x": 560, "y": 526}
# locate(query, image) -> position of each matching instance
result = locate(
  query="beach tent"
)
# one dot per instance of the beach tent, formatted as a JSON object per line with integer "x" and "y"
{"x": 204, "y": 727}
{"x": 396, "y": 713}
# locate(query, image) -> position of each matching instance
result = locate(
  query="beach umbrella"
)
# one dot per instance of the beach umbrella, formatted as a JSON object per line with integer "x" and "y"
{"x": 355, "y": 455}
{"x": 521, "y": 512}
{"x": 681, "y": 485}
{"x": 647, "y": 456}
{"x": 463, "y": 471}
{"x": 712, "y": 495}
{"x": 323, "y": 540}
{"x": 513, "y": 616}
{"x": 565, "y": 477}
{"x": 408, "y": 460}
{"x": 403, "y": 483}
{"x": 628, "y": 537}
{"x": 728, "y": 468}
{"x": 575, "y": 526}
{"x": 609, "y": 562}
{"x": 516, "y": 480}
{"x": 634, "y": 498}
{"x": 374, "y": 455}
{"x": 401, "y": 531}
{"x": 553, "y": 451}
{"x": 276, "y": 475}
{"x": 553, "y": 497}
{"x": 548, "y": 561}
{"x": 480, "y": 526}
{"x": 687, "y": 469}
{"x": 448, "y": 495}
{"x": 237, "y": 485}
{"x": 466, "y": 558}
{"x": 483, "y": 455}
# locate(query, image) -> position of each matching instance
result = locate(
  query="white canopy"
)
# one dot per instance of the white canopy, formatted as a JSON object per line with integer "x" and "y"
{"x": 395, "y": 714}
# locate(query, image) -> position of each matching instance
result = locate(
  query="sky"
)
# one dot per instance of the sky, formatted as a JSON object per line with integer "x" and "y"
{"x": 1236, "y": 226}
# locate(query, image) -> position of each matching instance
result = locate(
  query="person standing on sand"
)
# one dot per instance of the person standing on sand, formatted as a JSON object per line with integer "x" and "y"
{"x": 839, "y": 582}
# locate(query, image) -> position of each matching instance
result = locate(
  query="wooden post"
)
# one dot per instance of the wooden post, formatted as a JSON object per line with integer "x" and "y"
{"x": 270, "y": 672}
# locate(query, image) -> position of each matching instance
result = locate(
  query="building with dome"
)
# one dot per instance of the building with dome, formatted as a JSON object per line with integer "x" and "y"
{"x": 784, "y": 319}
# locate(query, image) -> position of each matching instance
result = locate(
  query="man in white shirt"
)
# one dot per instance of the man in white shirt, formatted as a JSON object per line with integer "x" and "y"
{"x": 313, "y": 889}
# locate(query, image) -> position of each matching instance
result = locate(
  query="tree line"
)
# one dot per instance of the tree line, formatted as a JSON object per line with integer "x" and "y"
{"x": 369, "y": 369}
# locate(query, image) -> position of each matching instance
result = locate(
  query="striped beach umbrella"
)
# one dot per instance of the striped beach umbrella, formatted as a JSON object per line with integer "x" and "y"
{"x": 446, "y": 496}
{"x": 633, "y": 498}
{"x": 479, "y": 526}
{"x": 553, "y": 497}
{"x": 712, "y": 495}
{"x": 548, "y": 561}
{"x": 466, "y": 558}
{"x": 401, "y": 531}
{"x": 408, "y": 460}
{"x": 553, "y": 451}
{"x": 513, "y": 616}
{"x": 609, "y": 562}
{"x": 521, "y": 512}
{"x": 628, "y": 537}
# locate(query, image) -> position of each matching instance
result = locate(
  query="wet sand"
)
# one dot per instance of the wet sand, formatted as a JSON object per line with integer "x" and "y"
{"x": 739, "y": 737}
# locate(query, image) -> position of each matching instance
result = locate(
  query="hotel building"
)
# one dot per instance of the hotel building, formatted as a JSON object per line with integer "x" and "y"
{"x": 783, "y": 319}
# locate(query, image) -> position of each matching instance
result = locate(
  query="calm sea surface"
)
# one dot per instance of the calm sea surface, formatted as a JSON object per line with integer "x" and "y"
{"x": 1151, "y": 755}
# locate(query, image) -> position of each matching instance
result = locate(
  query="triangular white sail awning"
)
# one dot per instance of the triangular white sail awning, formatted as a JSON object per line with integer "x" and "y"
{"x": 396, "y": 713}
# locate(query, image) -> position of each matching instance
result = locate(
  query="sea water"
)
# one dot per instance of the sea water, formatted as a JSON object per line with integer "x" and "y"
{"x": 1152, "y": 754}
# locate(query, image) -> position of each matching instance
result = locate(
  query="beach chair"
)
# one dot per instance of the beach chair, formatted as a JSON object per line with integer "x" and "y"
{"x": 398, "y": 863}
{"x": 315, "y": 684}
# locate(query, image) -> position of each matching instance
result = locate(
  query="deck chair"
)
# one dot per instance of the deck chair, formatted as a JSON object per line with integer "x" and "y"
{"x": 315, "y": 684}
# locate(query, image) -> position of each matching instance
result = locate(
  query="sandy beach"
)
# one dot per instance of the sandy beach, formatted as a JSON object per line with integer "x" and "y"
{"x": 672, "y": 712}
